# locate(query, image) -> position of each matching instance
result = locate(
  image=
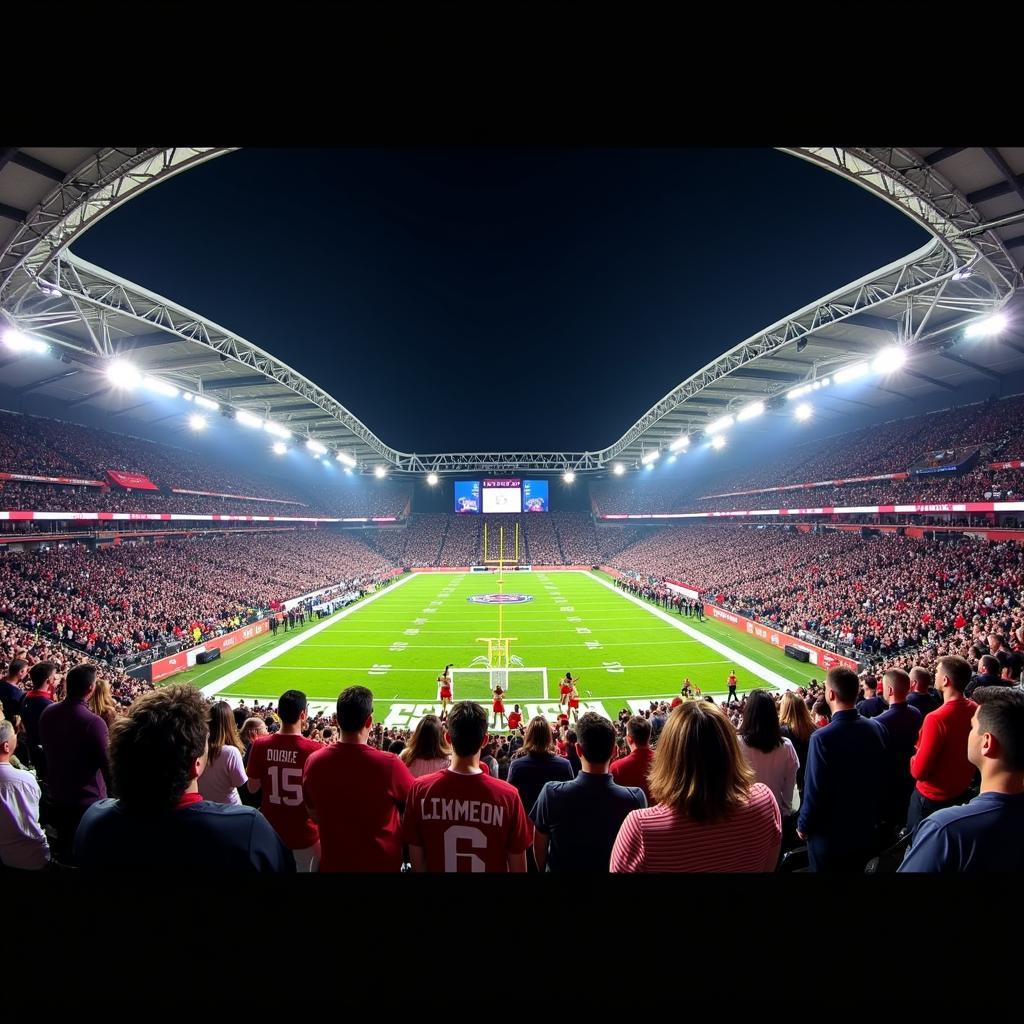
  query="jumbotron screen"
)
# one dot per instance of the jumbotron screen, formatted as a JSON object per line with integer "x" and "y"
{"x": 501, "y": 496}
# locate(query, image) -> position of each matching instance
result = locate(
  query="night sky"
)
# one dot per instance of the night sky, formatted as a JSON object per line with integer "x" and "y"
{"x": 513, "y": 299}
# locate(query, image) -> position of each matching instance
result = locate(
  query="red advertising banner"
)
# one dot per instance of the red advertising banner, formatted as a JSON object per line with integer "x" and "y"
{"x": 52, "y": 480}
{"x": 186, "y": 659}
{"x": 136, "y": 481}
{"x": 237, "y": 497}
{"x": 808, "y": 486}
{"x": 829, "y": 510}
{"x": 825, "y": 660}
{"x": 1015, "y": 464}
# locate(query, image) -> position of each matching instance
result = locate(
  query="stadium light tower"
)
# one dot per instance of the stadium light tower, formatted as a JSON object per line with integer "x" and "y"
{"x": 432, "y": 479}
{"x": 123, "y": 375}
{"x": 718, "y": 442}
{"x": 380, "y": 472}
{"x": 889, "y": 360}
{"x": 198, "y": 422}
{"x": 803, "y": 412}
{"x": 618, "y": 469}
{"x": 680, "y": 443}
{"x": 717, "y": 426}
{"x": 750, "y": 411}
{"x": 651, "y": 457}
{"x": 995, "y": 324}
{"x": 345, "y": 459}
{"x": 568, "y": 476}
{"x": 316, "y": 447}
{"x": 16, "y": 341}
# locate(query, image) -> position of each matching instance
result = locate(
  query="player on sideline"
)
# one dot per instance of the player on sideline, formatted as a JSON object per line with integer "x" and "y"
{"x": 565, "y": 688}
{"x": 445, "y": 693}
{"x": 732, "y": 688}
{"x": 574, "y": 702}
{"x": 515, "y": 720}
{"x": 498, "y": 705}
{"x": 687, "y": 689}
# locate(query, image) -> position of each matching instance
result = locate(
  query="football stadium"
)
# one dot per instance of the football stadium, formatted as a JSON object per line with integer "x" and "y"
{"x": 776, "y": 624}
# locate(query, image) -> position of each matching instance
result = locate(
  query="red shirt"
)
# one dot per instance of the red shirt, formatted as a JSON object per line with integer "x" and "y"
{"x": 277, "y": 762}
{"x": 633, "y": 769}
{"x": 356, "y": 791}
{"x": 940, "y": 762}
{"x": 465, "y": 823}
{"x": 514, "y": 719}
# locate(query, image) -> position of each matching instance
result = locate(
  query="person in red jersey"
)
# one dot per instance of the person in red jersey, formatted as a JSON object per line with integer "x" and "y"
{"x": 633, "y": 769}
{"x": 444, "y": 681}
{"x": 732, "y": 689}
{"x": 565, "y": 688}
{"x": 574, "y": 702}
{"x": 276, "y": 762}
{"x": 498, "y": 705}
{"x": 461, "y": 820}
{"x": 355, "y": 793}
{"x": 515, "y": 719}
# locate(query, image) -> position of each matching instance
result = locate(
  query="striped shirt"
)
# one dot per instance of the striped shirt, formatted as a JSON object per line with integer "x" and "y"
{"x": 658, "y": 839}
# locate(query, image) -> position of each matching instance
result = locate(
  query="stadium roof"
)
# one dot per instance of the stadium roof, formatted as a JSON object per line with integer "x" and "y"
{"x": 970, "y": 199}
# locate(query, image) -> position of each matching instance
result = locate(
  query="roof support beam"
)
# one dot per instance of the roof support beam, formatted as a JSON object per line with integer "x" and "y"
{"x": 1003, "y": 168}
{"x": 49, "y": 380}
{"x": 943, "y": 154}
{"x": 953, "y": 357}
{"x": 13, "y": 213}
{"x": 86, "y": 398}
{"x": 30, "y": 163}
{"x": 930, "y": 380}
{"x": 222, "y": 383}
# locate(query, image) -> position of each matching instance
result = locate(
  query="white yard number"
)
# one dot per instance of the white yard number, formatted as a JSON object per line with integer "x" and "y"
{"x": 452, "y": 854}
{"x": 613, "y": 666}
{"x": 287, "y": 781}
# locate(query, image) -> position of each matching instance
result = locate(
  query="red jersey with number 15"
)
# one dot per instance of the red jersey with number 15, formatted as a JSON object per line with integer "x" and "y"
{"x": 277, "y": 762}
{"x": 465, "y": 823}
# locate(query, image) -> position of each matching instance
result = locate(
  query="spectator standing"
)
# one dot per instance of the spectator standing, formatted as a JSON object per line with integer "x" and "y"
{"x": 102, "y": 702}
{"x": 160, "y": 820}
{"x": 576, "y": 823}
{"x": 536, "y": 763}
{"x": 771, "y": 756}
{"x": 923, "y": 694}
{"x": 797, "y": 727}
{"x": 12, "y": 690}
{"x": 711, "y": 814}
{"x": 902, "y": 725}
{"x": 841, "y": 806}
{"x": 356, "y": 793}
{"x": 428, "y": 751}
{"x": 23, "y": 843}
{"x": 224, "y": 771}
{"x": 42, "y": 677}
{"x": 987, "y": 834}
{"x": 635, "y": 767}
{"x": 74, "y": 741}
{"x": 940, "y": 764}
{"x": 571, "y": 738}
{"x": 872, "y": 705}
{"x": 989, "y": 673}
{"x": 462, "y": 819}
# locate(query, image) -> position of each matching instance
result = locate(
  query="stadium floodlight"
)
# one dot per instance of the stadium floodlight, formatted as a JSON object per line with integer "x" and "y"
{"x": 718, "y": 442}
{"x": 432, "y": 479}
{"x": 672, "y": 458}
{"x": 197, "y": 422}
{"x": 346, "y": 460}
{"x": 854, "y": 372}
{"x": 123, "y": 375}
{"x": 380, "y": 472}
{"x": 187, "y": 395}
{"x": 248, "y": 420}
{"x": 889, "y": 360}
{"x": 569, "y": 476}
{"x": 161, "y": 387}
{"x": 748, "y": 412}
{"x": 277, "y": 430}
{"x": 16, "y": 341}
{"x": 680, "y": 443}
{"x": 716, "y": 426}
{"x": 618, "y": 469}
{"x": 652, "y": 456}
{"x": 824, "y": 382}
{"x": 803, "y": 412}
{"x": 995, "y": 324}
{"x": 280, "y": 447}
{"x": 207, "y": 403}
{"x": 316, "y": 447}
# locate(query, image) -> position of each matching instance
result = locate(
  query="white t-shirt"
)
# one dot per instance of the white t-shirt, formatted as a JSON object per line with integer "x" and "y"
{"x": 221, "y": 778}
{"x": 22, "y": 841}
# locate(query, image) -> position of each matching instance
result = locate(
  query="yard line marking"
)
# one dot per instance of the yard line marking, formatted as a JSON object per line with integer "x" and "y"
{"x": 264, "y": 659}
{"x": 710, "y": 642}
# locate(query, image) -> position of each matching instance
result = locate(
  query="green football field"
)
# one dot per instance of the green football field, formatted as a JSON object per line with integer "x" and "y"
{"x": 396, "y": 641}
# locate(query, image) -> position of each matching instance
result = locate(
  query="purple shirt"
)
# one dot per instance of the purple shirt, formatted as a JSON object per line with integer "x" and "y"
{"x": 74, "y": 741}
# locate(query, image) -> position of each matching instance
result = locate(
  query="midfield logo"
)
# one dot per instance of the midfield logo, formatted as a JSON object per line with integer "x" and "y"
{"x": 500, "y": 598}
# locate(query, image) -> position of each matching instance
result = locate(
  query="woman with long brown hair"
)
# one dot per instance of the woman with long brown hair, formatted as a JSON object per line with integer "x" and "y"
{"x": 711, "y": 814}
{"x": 224, "y": 771}
{"x": 797, "y": 726}
{"x": 537, "y": 763}
{"x": 427, "y": 750}
{"x": 102, "y": 702}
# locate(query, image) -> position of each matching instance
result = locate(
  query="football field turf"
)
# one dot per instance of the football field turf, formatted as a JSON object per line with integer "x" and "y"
{"x": 624, "y": 652}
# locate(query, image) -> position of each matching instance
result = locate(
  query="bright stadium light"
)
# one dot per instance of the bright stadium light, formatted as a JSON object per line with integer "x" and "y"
{"x": 750, "y": 411}
{"x": 161, "y": 387}
{"x": 803, "y": 412}
{"x": 248, "y": 420}
{"x": 206, "y": 403}
{"x": 854, "y": 372}
{"x": 345, "y": 459}
{"x": 680, "y": 443}
{"x": 569, "y": 476}
{"x": 380, "y": 472}
{"x": 197, "y": 422}
{"x": 280, "y": 447}
{"x": 277, "y": 430}
{"x": 652, "y": 456}
{"x": 722, "y": 423}
{"x": 123, "y": 375}
{"x": 618, "y": 469}
{"x": 718, "y": 442}
{"x": 995, "y": 324}
{"x": 18, "y": 342}
{"x": 187, "y": 395}
{"x": 432, "y": 479}
{"x": 672, "y": 458}
{"x": 316, "y": 447}
{"x": 889, "y": 360}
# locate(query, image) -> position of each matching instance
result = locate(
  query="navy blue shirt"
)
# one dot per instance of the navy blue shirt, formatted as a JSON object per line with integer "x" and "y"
{"x": 202, "y": 836}
{"x": 871, "y": 707}
{"x": 926, "y": 703}
{"x": 583, "y": 818}
{"x": 983, "y": 836}
{"x": 12, "y": 697}
{"x": 529, "y": 773}
{"x": 985, "y": 679}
